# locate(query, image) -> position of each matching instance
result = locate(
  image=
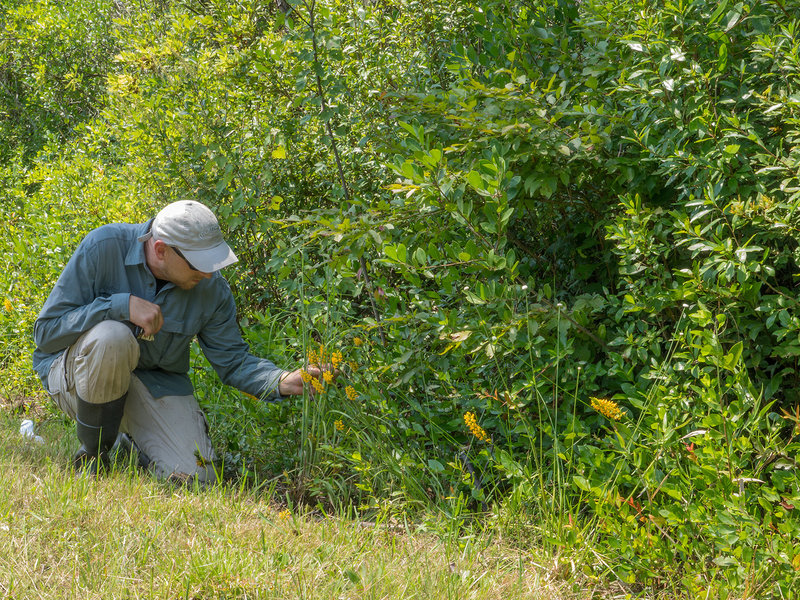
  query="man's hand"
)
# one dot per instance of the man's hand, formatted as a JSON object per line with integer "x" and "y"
{"x": 292, "y": 383}
{"x": 146, "y": 315}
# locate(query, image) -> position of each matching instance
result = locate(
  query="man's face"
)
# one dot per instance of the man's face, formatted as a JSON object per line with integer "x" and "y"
{"x": 179, "y": 271}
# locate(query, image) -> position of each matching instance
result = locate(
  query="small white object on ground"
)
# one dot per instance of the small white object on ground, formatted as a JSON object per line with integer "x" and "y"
{"x": 26, "y": 430}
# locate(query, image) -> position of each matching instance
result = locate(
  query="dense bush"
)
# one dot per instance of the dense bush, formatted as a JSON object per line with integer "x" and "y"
{"x": 554, "y": 242}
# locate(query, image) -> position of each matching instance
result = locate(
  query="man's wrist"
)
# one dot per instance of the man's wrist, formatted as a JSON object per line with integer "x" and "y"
{"x": 278, "y": 393}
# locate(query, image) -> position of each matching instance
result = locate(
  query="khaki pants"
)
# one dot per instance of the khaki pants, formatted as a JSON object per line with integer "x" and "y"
{"x": 172, "y": 431}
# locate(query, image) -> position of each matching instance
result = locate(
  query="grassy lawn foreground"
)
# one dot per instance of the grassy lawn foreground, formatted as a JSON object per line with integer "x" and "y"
{"x": 127, "y": 536}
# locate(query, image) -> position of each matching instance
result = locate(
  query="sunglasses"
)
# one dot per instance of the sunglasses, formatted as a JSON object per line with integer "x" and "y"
{"x": 179, "y": 253}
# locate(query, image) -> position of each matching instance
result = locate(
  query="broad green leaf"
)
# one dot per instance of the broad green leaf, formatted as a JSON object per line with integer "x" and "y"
{"x": 732, "y": 358}
{"x": 435, "y": 466}
{"x": 475, "y": 180}
{"x": 582, "y": 483}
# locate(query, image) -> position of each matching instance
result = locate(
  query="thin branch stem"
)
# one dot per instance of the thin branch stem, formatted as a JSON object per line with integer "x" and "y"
{"x": 323, "y": 100}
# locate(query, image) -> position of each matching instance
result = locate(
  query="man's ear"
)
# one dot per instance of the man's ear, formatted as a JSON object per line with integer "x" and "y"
{"x": 160, "y": 249}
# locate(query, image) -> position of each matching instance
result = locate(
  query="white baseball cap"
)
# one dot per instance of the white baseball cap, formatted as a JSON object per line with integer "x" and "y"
{"x": 193, "y": 229}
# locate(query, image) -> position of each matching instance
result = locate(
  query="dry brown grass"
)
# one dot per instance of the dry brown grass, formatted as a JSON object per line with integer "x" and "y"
{"x": 127, "y": 536}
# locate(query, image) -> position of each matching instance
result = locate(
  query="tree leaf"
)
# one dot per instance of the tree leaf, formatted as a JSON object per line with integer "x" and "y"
{"x": 279, "y": 152}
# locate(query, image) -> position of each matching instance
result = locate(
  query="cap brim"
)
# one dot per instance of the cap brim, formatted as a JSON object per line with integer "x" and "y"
{"x": 211, "y": 259}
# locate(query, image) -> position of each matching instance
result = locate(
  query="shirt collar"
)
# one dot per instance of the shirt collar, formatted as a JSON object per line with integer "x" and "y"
{"x": 136, "y": 254}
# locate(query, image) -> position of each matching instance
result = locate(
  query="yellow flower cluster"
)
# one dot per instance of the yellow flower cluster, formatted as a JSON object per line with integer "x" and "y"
{"x": 285, "y": 514}
{"x": 7, "y": 305}
{"x": 329, "y": 364}
{"x": 313, "y": 357}
{"x": 608, "y": 408}
{"x": 338, "y": 424}
{"x": 309, "y": 378}
{"x": 479, "y": 432}
{"x": 321, "y": 358}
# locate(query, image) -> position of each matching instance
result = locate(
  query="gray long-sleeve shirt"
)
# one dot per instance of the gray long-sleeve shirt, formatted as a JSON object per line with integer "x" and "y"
{"x": 96, "y": 285}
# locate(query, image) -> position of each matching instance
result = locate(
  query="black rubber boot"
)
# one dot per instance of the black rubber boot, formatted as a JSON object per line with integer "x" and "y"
{"x": 97, "y": 426}
{"x": 125, "y": 452}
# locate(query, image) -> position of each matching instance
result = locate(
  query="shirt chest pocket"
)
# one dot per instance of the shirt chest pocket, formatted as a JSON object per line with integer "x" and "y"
{"x": 173, "y": 342}
{"x": 181, "y": 327}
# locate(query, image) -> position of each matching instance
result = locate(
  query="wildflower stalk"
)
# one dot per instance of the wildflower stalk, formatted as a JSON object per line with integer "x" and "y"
{"x": 306, "y": 459}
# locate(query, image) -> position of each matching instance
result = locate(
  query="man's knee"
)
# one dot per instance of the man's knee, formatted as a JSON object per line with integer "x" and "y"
{"x": 111, "y": 337}
{"x": 104, "y": 358}
{"x": 172, "y": 432}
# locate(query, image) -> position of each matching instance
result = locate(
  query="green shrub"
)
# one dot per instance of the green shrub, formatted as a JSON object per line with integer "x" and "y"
{"x": 530, "y": 213}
